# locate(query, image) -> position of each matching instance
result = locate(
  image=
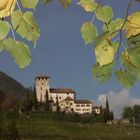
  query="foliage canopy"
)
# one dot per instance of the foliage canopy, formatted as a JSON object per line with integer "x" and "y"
{"x": 116, "y": 48}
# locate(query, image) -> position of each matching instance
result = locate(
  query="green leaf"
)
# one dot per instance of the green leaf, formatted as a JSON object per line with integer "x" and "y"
{"x": 4, "y": 29}
{"x": 134, "y": 41}
{"x": 1, "y": 46}
{"x": 133, "y": 26}
{"x": 19, "y": 51}
{"x": 126, "y": 78}
{"x": 134, "y": 56}
{"x": 104, "y": 73}
{"x": 131, "y": 60}
{"x": 104, "y": 13}
{"x": 65, "y": 3}
{"x": 88, "y": 5}
{"x": 88, "y": 32}
{"x": 101, "y": 39}
{"x": 47, "y": 1}
{"x": 29, "y": 3}
{"x": 25, "y": 25}
{"x": 114, "y": 25}
{"x": 104, "y": 54}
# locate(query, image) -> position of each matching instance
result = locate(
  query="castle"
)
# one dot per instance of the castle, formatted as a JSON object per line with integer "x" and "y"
{"x": 63, "y": 99}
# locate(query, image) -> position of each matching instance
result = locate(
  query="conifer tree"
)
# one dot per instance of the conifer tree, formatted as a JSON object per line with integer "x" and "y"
{"x": 35, "y": 103}
{"x": 107, "y": 109}
{"x": 57, "y": 104}
{"x": 47, "y": 101}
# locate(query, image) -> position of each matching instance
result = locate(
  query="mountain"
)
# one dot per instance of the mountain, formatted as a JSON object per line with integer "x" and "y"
{"x": 8, "y": 84}
{"x": 12, "y": 91}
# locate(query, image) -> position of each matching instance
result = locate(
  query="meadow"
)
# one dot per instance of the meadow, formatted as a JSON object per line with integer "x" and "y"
{"x": 49, "y": 126}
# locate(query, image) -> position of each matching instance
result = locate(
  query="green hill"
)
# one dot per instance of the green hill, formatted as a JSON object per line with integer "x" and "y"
{"x": 12, "y": 90}
{"x": 8, "y": 84}
{"x": 49, "y": 126}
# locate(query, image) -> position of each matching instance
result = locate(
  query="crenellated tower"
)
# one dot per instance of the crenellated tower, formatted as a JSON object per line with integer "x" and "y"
{"x": 42, "y": 88}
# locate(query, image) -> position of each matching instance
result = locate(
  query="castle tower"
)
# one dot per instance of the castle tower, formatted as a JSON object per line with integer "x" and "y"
{"x": 42, "y": 88}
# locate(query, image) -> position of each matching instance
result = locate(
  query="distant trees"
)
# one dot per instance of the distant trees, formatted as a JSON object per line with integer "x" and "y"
{"x": 26, "y": 103}
{"x": 107, "y": 114}
{"x": 30, "y": 103}
{"x": 47, "y": 101}
{"x": 136, "y": 113}
{"x": 132, "y": 113}
{"x": 35, "y": 103}
{"x": 8, "y": 101}
{"x": 128, "y": 113}
{"x": 2, "y": 98}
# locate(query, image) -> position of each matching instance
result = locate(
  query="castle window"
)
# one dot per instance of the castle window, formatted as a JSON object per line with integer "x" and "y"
{"x": 41, "y": 88}
{"x": 59, "y": 97}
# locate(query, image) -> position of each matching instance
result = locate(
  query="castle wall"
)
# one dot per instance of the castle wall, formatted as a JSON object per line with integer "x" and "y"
{"x": 83, "y": 108}
{"x": 61, "y": 96}
{"x": 42, "y": 88}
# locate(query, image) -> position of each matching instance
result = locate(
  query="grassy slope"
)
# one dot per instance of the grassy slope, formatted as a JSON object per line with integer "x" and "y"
{"x": 44, "y": 126}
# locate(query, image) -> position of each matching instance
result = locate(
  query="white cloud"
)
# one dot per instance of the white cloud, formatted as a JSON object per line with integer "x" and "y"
{"x": 117, "y": 101}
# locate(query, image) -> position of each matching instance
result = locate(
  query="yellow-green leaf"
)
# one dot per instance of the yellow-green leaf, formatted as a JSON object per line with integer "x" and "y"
{"x": 126, "y": 78}
{"x": 29, "y": 3}
{"x": 88, "y": 5}
{"x": 133, "y": 25}
{"x": 19, "y": 51}
{"x": 102, "y": 74}
{"x": 88, "y": 32}
{"x": 104, "y": 54}
{"x": 101, "y": 39}
{"x": 1, "y": 46}
{"x": 4, "y": 29}
{"x": 65, "y": 3}
{"x": 25, "y": 25}
{"x": 114, "y": 25}
{"x": 104, "y": 13}
{"x": 47, "y": 1}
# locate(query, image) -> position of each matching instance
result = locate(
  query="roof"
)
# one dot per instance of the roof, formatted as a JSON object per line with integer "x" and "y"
{"x": 96, "y": 107}
{"x": 42, "y": 76}
{"x": 61, "y": 90}
{"x": 68, "y": 99}
{"x": 83, "y": 102}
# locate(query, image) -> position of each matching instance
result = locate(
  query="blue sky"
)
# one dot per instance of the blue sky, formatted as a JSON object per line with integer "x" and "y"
{"x": 61, "y": 52}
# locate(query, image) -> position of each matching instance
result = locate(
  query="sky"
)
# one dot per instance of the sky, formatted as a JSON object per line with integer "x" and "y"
{"x": 62, "y": 55}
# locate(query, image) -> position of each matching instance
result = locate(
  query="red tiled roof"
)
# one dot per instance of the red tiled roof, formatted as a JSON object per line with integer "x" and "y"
{"x": 96, "y": 107}
{"x": 61, "y": 90}
{"x": 42, "y": 76}
{"x": 83, "y": 102}
{"x": 68, "y": 99}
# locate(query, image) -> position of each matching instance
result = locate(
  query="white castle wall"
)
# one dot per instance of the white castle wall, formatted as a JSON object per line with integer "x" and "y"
{"x": 61, "y": 96}
{"x": 42, "y": 88}
{"x": 83, "y": 108}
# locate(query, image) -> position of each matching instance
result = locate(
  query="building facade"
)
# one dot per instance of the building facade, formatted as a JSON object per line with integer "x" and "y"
{"x": 64, "y": 98}
{"x": 83, "y": 107}
{"x": 97, "y": 110}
